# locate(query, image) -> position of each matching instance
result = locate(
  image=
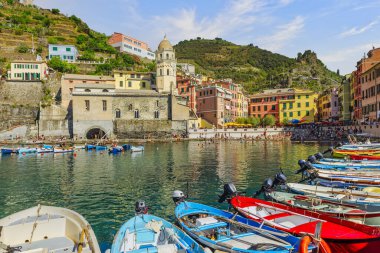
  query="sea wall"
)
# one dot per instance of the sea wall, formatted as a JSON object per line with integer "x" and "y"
{"x": 237, "y": 133}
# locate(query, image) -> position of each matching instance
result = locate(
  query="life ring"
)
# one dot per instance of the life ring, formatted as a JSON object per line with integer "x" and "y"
{"x": 307, "y": 239}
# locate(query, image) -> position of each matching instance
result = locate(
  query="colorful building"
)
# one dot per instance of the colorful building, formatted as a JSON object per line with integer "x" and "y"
{"x": 214, "y": 105}
{"x": 127, "y": 44}
{"x": 186, "y": 87}
{"x": 28, "y": 70}
{"x": 328, "y": 105}
{"x": 132, "y": 80}
{"x": 67, "y": 53}
{"x": 370, "y": 82}
{"x": 300, "y": 107}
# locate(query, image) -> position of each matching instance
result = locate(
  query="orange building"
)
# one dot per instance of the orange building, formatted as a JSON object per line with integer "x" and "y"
{"x": 131, "y": 45}
{"x": 186, "y": 89}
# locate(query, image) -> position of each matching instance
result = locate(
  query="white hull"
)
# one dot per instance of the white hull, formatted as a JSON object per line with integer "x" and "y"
{"x": 45, "y": 229}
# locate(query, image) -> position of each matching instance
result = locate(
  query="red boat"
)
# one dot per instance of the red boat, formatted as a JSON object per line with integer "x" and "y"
{"x": 365, "y": 157}
{"x": 340, "y": 235}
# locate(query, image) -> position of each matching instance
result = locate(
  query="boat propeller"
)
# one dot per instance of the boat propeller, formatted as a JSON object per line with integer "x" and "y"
{"x": 229, "y": 191}
{"x": 269, "y": 184}
{"x": 141, "y": 207}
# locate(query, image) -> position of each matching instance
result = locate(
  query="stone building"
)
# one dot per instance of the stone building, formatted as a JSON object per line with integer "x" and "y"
{"x": 166, "y": 67}
{"x": 133, "y": 80}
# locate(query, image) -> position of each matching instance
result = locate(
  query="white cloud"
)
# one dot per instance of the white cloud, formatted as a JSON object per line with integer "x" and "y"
{"x": 284, "y": 33}
{"x": 356, "y": 30}
{"x": 285, "y": 2}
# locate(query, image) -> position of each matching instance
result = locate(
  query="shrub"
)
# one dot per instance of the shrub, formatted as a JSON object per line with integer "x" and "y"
{"x": 39, "y": 50}
{"x": 52, "y": 40}
{"x": 55, "y": 11}
{"x": 46, "y": 22}
{"x": 22, "y": 49}
{"x": 88, "y": 56}
{"x": 269, "y": 120}
{"x": 61, "y": 66}
{"x": 19, "y": 31}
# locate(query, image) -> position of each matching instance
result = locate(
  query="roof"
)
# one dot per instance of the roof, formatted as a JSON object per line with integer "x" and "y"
{"x": 374, "y": 65}
{"x": 133, "y": 72}
{"x": 27, "y": 61}
{"x": 165, "y": 45}
{"x": 95, "y": 86}
{"x": 87, "y": 77}
{"x": 62, "y": 45}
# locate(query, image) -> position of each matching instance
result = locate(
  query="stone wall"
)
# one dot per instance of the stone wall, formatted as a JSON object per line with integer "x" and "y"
{"x": 145, "y": 129}
{"x": 21, "y": 93}
{"x": 54, "y": 121}
{"x": 16, "y": 115}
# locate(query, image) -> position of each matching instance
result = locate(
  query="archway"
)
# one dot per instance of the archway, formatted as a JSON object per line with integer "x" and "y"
{"x": 95, "y": 133}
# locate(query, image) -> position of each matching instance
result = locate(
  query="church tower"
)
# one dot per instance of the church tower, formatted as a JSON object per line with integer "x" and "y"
{"x": 166, "y": 68}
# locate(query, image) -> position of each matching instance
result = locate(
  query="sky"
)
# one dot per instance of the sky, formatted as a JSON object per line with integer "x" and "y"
{"x": 339, "y": 31}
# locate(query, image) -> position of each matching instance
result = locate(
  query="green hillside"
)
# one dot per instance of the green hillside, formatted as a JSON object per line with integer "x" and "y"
{"x": 256, "y": 68}
{"x": 24, "y": 27}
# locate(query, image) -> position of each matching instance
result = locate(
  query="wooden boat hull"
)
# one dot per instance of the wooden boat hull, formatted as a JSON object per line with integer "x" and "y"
{"x": 54, "y": 230}
{"x": 365, "y": 157}
{"x": 341, "y": 235}
{"x": 138, "y": 235}
{"x": 190, "y": 209}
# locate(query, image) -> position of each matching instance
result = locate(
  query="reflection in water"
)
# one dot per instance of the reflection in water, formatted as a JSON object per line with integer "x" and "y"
{"x": 103, "y": 187}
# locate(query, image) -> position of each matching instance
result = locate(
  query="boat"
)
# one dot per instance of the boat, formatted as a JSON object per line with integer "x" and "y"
{"x": 45, "y": 149}
{"x": 365, "y": 157}
{"x": 228, "y": 232}
{"x": 346, "y": 212}
{"x": 47, "y": 229}
{"x": 26, "y": 150}
{"x": 63, "y": 150}
{"x": 148, "y": 233}
{"x": 100, "y": 147}
{"x": 340, "y": 235}
{"x": 368, "y": 201}
{"x": 137, "y": 149}
{"x": 126, "y": 147}
{"x": 89, "y": 146}
{"x": 348, "y": 153}
{"x": 115, "y": 150}
{"x": 7, "y": 151}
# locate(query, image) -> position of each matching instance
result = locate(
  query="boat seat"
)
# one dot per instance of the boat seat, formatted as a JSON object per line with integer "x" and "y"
{"x": 210, "y": 226}
{"x": 340, "y": 196}
{"x": 145, "y": 236}
{"x": 276, "y": 216}
{"x": 57, "y": 244}
{"x": 167, "y": 248}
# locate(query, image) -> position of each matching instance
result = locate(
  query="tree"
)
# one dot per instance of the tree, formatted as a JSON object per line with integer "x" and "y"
{"x": 22, "y": 49}
{"x": 338, "y": 72}
{"x": 269, "y": 120}
{"x": 55, "y": 11}
{"x": 61, "y": 66}
{"x": 285, "y": 121}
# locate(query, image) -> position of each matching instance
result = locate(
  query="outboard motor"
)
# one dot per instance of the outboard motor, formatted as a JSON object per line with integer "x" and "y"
{"x": 338, "y": 145}
{"x": 312, "y": 159}
{"x": 302, "y": 165}
{"x": 178, "y": 197}
{"x": 318, "y": 156}
{"x": 279, "y": 179}
{"x": 141, "y": 207}
{"x": 229, "y": 191}
{"x": 266, "y": 187}
{"x": 329, "y": 150}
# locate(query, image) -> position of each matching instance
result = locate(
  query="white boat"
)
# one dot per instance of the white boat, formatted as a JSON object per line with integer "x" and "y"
{"x": 44, "y": 229}
{"x": 137, "y": 148}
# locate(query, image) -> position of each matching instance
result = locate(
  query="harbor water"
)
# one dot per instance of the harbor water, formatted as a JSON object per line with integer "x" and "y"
{"x": 103, "y": 188}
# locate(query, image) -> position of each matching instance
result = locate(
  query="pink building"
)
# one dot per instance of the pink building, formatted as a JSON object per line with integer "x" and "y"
{"x": 214, "y": 105}
{"x": 370, "y": 86}
{"x": 186, "y": 89}
{"x": 127, "y": 44}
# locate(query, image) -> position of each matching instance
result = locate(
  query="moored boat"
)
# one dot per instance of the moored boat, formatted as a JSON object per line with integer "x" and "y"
{"x": 26, "y": 150}
{"x": 89, "y": 146}
{"x": 228, "y": 232}
{"x": 137, "y": 148}
{"x": 347, "y": 212}
{"x": 341, "y": 235}
{"x": 126, "y": 146}
{"x": 365, "y": 157}
{"x": 115, "y": 149}
{"x": 148, "y": 233}
{"x": 7, "y": 151}
{"x": 63, "y": 150}
{"x": 100, "y": 147}
{"x": 47, "y": 229}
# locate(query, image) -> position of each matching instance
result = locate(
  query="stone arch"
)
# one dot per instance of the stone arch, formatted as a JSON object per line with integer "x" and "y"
{"x": 95, "y": 132}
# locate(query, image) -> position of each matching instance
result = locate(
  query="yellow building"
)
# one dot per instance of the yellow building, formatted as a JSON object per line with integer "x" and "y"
{"x": 302, "y": 107}
{"x": 132, "y": 80}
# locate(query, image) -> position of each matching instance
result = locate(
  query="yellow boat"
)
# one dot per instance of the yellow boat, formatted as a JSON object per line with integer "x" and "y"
{"x": 346, "y": 153}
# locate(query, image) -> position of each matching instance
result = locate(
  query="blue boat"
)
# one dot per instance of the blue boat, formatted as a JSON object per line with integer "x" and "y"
{"x": 26, "y": 150}
{"x": 345, "y": 166}
{"x": 126, "y": 147}
{"x": 221, "y": 230}
{"x": 45, "y": 146}
{"x": 115, "y": 150}
{"x": 100, "y": 147}
{"x": 147, "y": 233}
{"x": 89, "y": 146}
{"x": 8, "y": 151}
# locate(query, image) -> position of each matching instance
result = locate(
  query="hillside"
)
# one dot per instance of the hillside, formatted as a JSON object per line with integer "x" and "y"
{"x": 254, "y": 67}
{"x": 22, "y": 27}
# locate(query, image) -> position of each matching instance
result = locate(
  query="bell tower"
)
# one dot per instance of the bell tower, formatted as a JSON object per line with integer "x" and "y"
{"x": 166, "y": 76}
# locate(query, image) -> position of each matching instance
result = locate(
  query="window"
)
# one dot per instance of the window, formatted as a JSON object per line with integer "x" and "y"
{"x": 121, "y": 83}
{"x": 265, "y": 108}
{"x": 105, "y": 90}
{"x": 307, "y": 96}
{"x": 307, "y": 113}
{"x": 130, "y": 107}
{"x": 299, "y": 113}
{"x": 284, "y": 106}
{"x": 307, "y": 104}
{"x": 156, "y": 114}
{"x": 182, "y": 90}
{"x": 87, "y": 90}
{"x": 167, "y": 56}
{"x": 137, "y": 114}
{"x": 129, "y": 84}
{"x": 290, "y": 105}
{"x": 210, "y": 92}
{"x": 132, "y": 75}
{"x": 285, "y": 115}
{"x": 118, "y": 113}
{"x": 104, "y": 105}
{"x": 138, "y": 76}
{"x": 259, "y": 108}
{"x": 299, "y": 105}
{"x": 299, "y": 96}
{"x": 157, "y": 103}
{"x": 273, "y": 107}
{"x": 254, "y": 108}
{"x": 160, "y": 72}
{"x": 121, "y": 74}
{"x": 55, "y": 48}
{"x": 68, "y": 49}
{"x": 87, "y": 104}
{"x": 167, "y": 72}
{"x": 143, "y": 84}
{"x": 290, "y": 114}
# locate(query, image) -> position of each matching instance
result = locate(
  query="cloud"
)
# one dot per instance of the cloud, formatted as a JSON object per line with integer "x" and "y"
{"x": 285, "y": 2}
{"x": 355, "y": 30}
{"x": 284, "y": 33}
